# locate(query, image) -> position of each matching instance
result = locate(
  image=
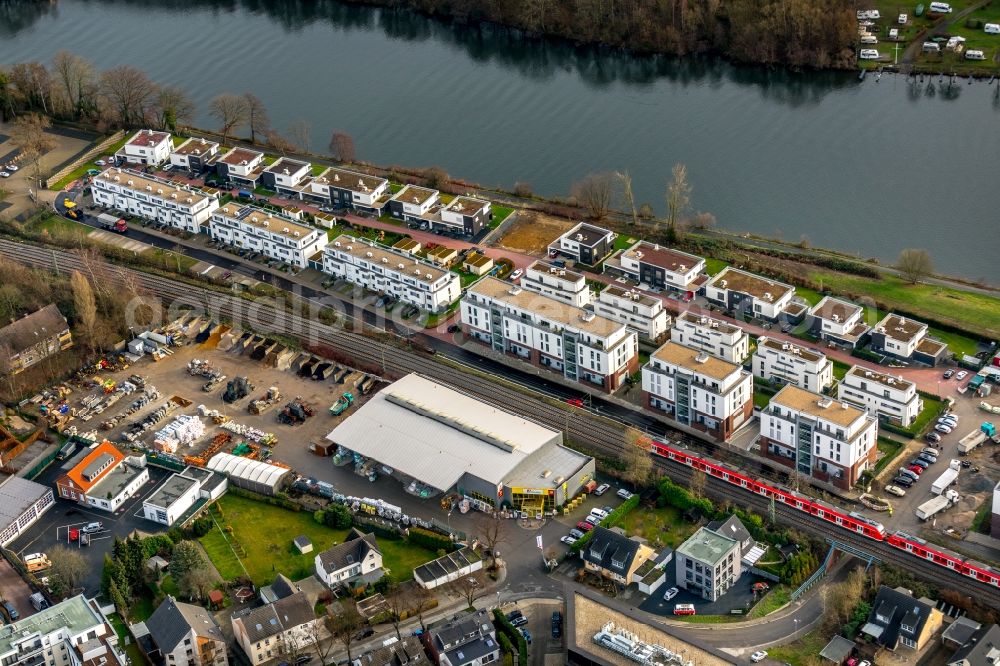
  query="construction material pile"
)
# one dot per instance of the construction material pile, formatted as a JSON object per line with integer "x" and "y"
{"x": 237, "y": 389}
{"x": 183, "y": 431}
{"x": 295, "y": 412}
{"x": 253, "y": 434}
{"x": 265, "y": 402}
{"x": 136, "y": 430}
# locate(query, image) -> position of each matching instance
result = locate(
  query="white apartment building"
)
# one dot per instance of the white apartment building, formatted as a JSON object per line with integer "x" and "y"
{"x": 272, "y": 235}
{"x": 893, "y": 398}
{"x": 549, "y": 333}
{"x": 790, "y": 363}
{"x": 907, "y": 339}
{"x": 641, "y": 313}
{"x": 349, "y": 189}
{"x": 698, "y": 390}
{"x": 726, "y": 341}
{"x": 285, "y": 175}
{"x": 390, "y": 271}
{"x": 584, "y": 243}
{"x": 147, "y": 147}
{"x": 241, "y": 165}
{"x": 659, "y": 267}
{"x": 194, "y": 154}
{"x": 413, "y": 203}
{"x": 838, "y": 321}
{"x": 554, "y": 282}
{"x": 154, "y": 199}
{"x": 818, "y": 436}
{"x": 744, "y": 292}
{"x": 73, "y": 632}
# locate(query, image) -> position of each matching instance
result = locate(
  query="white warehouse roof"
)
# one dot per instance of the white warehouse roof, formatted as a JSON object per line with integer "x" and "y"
{"x": 436, "y": 434}
{"x": 253, "y": 471}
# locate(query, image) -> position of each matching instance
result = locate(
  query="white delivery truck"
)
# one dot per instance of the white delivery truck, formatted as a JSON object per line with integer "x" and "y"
{"x": 936, "y": 505}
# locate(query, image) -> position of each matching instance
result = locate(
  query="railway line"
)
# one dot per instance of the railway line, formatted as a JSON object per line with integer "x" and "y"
{"x": 596, "y": 432}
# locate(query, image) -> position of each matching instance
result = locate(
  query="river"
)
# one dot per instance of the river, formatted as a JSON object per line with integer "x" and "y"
{"x": 867, "y": 167}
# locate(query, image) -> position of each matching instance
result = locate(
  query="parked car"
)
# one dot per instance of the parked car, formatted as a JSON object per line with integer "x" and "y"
{"x": 927, "y": 458}
{"x": 364, "y": 633}
{"x": 517, "y": 618}
{"x": 101, "y": 163}
{"x": 933, "y": 453}
{"x": 922, "y": 464}
{"x": 4, "y": 174}
{"x": 916, "y": 469}
{"x": 13, "y": 167}
{"x": 556, "y": 624}
{"x": 601, "y": 514}
{"x": 568, "y": 540}
{"x": 584, "y": 525}
{"x": 961, "y": 375}
{"x": 948, "y": 374}
{"x": 303, "y": 659}
{"x": 527, "y": 636}
{"x": 758, "y": 656}
{"x": 684, "y": 609}
{"x": 575, "y": 533}
{"x": 932, "y": 437}
{"x": 454, "y": 328}
{"x": 601, "y": 489}
{"x": 670, "y": 594}
{"x": 624, "y": 494}
{"x": 940, "y": 427}
{"x": 10, "y": 610}
{"x": 895, "y": 490}
{"x": 902, "y": 481}
{"x": 516, "y": 275}
{"x": 593, "y": 519}
{"x": 91, "y": 528}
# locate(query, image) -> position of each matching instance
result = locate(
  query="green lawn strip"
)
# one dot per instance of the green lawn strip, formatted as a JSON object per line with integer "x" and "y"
{"x": 81, "y": 170}
{"x": 500, "y": 213}
{"x": 625, "y": 241}
{"x": 142, "y": 608}
{"x": 168, "y": 586}
{"x": 713, "y": 266}
{"x": 175, "y": 260}
{"x": 957, "y": 343}
{"x": 801, "y": 651}
{"x": 395, "y": 187}
{"x": 761, "y": 399}
{"x": 660, "y": 526}
{"x": 772, "y": 601}
{"x": 812, "y": 297}
{"x": 317, "y": 169}
{"x": 890, "y": 448}
{"x": 132, "y": 649}
{"x": 839, "y": 368}
{"x": 709, "y": 619}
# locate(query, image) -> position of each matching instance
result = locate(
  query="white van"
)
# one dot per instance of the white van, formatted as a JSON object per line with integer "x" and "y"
{"x": 893, "y": 33}
{"x": 931, "y": 47}
{"x": 972, "y": 54}
{"x": 600, "y": 513}
{"x": 902, "y": 19}
{"x": 940, "y": 8}
{"x": 992, "y": 28}
{"x": 869, "y": 54}
{"x": 869, "y": 39}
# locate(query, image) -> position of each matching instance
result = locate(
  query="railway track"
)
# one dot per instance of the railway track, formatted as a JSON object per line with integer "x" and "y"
{"x": 598, "y": 433}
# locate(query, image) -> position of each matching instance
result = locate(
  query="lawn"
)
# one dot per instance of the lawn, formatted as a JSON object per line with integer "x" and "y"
{"x": 661, "y": 526}
{"x": 500, "y": 213}
{"x": 266, "y": 532}
{"x": 933, "y": 406}
{"x": 957, "y": 343}
{"x": 81, "y": 170}
{"x": 812, "y": 297}
{"x": 975, "y": 313}
{"x": 761, "y": 399}
{"x": 395, "y": 187}
{"x": 839, "y": 368}
{"x": 891, "y": 449}
{"x": 624, "y": 241}
{"x": 57, "y": 224}
{"x": 772, "y": 601}
{"x": 713, "y": 266}
{"x": 801, "y": 652}
{"x": 131, "y": 649}
{"x": 172, "y": 260}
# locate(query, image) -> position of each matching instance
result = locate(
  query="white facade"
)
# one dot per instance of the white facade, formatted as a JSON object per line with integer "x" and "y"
{"x": 726, "y": 341}
{"x": 660, "y": 266}
{"x": 177, "y": 494}
{"x": 892, "y": 398}
{"x": 455, "y": 213}
{"x": 70, "y": 633}
{"x": 364, "y": 190}
{"x": 385, "y": 270}
{"x": 741, "y": 291}
{"x": 23, "y": 502}
{"x": 278, "y": 630}
{"x": 153, "y": 199}
{"x": 241, "y": 162}
{"x": 119, "y": 485}
{"x": 202, "y": 149}
{"x": 416, "y": 201}
{"x": 836, "y": 317}
{"x": 789, "y": 363}
{"x": 539, "y": 329}
{"x": 558, "y": 283}
{"x": 643, "y": 314}
{"x": 273, "y": 236}
{"x": 148, "y": 147}
{"x": 901, "y": 335}
{"x": 288, "y": 173}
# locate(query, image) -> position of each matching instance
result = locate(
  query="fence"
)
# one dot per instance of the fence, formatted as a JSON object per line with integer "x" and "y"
{"x": 63, "y": 172}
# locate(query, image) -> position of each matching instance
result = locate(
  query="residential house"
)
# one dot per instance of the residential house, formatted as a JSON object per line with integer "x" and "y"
{"x": 147, "y": 147}
{"x": 341, "y": 188}
{"x": 549, "y": 333}
{"x": 960, "y": 633}
{"x": 890, "y": 397}
{"x": 715, "y": 336}
{"x": 708, "y": 564}
{"x": 279, "y": 629}
{"x": 413, "y": 203}
{"x": 898, "y": 620}
{"x": 356, "y": 561}
{"x": 818, "y": 436}
{"x": 407, "y": 652}
{"x": 285, "y": 176}
{"x": 465, "y": 640}
{"x": 982, "y": 649}
{"x": 194, "y": 154}
{"x": 789, "y": 363}
{"x": 658, "y": 267}
{"x": 185, "y": 635}
{"x": 103, "y": 478}
{"x": 181, "y": 491}
{"x": 746, "y": 293}
{"x": 556, "y": 282}
{"x": 73, "y": 632}
{"x": 584, "y": 243}
{"x": 839, "y": 322}
{"x": 274, "y": 236}
{"x": 614, "y": 556}
{"x": 385, "y": 270}
{"x": 466, "y": 214}
{"x": 22, "y": 503}
{"x": 154, "y": 199}
{"x": 640, "y": 312}
{"x": 698, "y": 390}
{"x": 33, "y": 338}
{"x": 733, "y": 528}
{"x": 241, "y": 166}
{"x": 905, "y": 338}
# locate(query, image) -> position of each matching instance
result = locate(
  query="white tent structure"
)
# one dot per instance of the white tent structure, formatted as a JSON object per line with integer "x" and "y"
{"x": 254, "y": 475}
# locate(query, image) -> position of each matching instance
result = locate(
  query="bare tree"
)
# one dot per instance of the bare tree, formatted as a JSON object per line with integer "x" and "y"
{"x": 491, "y": 529}
{"x": 30, "y": 136}
{"x": 704, "y": 221}
{"x": 398, "y": 601}
{"x": 342, "y": 146}
{"x": 915, "y": 265}
{"x": 625, "y": 178}
{"x": 300, "y": 134}
{"x": 32, "y": 85}
{"x": 636, "y": 459}
{"x": 678, "y": 200}
{"x": 85, "y": 305}
{"x": 76, "y": 77}
{"x": 230, "y": 110}
{"x": 7, "y": 370}
{"x": 320, "y": 635}
{"x": 344, "y": 625}
{"x": 70, "y": 566}
{"x": 422, "y": 601}
{"x": 278, "y": 143}
{"x": 129, "y": 92}
{"x": 97, "y": 271}
{"x": 470, "y": 587}
{"x": 257, "y": 119}
{"x": 697, "y": 483}
{"x": 173, "y": 108}
{"x": 595, "y": 193}
{"x": 196, "y": 583}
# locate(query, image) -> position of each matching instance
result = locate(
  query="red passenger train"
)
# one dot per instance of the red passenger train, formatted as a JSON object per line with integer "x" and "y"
{"x": 853, "y": 522}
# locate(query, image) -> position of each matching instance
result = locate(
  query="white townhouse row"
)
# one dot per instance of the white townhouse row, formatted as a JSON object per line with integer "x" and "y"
{"x": 744, "y": 292}
{"x": 386, "y": 270}
{"x": 556, "y": 282}
{"x": 274, "y": 236}
{"x": 658, "y": 267}
{"x": 641, "y": 313}
{"x": 348, "y": 189}
{"x": 719, "y": 338}
{"x": 154, "y": 199}
{"x": 892, "y": 398}
{"x": 789, "y": 363}
{"x": 818, "y": 436}
{"x": 549, "y": 333}
{"x": 698, "y": 390}
{"x": 907, "y": 339}
{"x": 147, "y": 147}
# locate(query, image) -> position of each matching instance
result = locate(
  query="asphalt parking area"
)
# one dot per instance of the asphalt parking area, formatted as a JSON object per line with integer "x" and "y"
{"x": 15, "y": 590}
{"x": 738, "y": 597}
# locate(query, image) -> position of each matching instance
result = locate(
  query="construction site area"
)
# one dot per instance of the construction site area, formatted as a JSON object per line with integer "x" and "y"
{"x": 197, "y": 388}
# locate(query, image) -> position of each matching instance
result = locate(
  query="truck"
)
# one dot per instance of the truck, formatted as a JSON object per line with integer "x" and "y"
{"x": 113, "y": 223}
{"x": 946, "y": 479}
{"x": 35, "y": 562}
{"x": 936, "y": 505}
{"x": 339, "y": 407}
{"x": 976, "y": 437}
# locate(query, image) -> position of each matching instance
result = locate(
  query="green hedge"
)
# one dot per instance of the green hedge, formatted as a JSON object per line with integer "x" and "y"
{"x": 419, "y": 536}
{"x": 866, "y": 355}
{"x": 267, "y": 499}
{"x": 613, "y": 519}
{"x": 505, "y": 627}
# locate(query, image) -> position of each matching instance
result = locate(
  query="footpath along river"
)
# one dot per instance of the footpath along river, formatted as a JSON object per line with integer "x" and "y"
{"x": 862, "y": 166}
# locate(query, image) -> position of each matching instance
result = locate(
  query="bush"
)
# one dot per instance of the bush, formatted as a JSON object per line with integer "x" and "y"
{"x": 613, "y": 519}
{"x": 418, "y": 536}
{"x": 680, "y": 497}
{"x": 503, "y": 625}
{"x": 867, "y": 355}
{"x": 523, "y": 190}
{"x": 283, "y": 502}
{"x": 200, "y": 527}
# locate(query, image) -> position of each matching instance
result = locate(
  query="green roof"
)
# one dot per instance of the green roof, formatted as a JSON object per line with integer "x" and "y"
{"x": 75, "y": 614}
{"x": 707, "y": 546}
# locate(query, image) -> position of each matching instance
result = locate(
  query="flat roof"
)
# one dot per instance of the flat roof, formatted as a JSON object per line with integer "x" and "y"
{"x": 350, "y": 180}
{"x": 435, "y": 434}
{"x": 789, "y": 347}
{"x": 264, "y": 220}
{"x": 586, "y": 234}
{"x": 171, "y": 490}
{"x": 819, "y": 406}
{"x": 442, "y": 251}
{"x": 932, "y": 347}
{"x": 555, "y": 271}
{"x": 418, "y": 269}
{"x": 163, "y": 188}
{"x": 696, "y": 361}
{"x": 466, "y": 205}
{"x": 830, "y": 307}
{"x": 748, "y": 283}
{"x": 706, "y": 322}
{"x": 414, "y": 194}
{"x": 238, "y": 156}
{"x": 674, "y": 261}
{"x": 900, "y": 328}
{"x": 478, "y": 260}
{"x": 630, "y": 294}
{"x": 893, "y": 381}
{"x": 282, "y": 163}
{"x": 76, "y": 614}
{"x": 16, "y": 496}
{"x": 406, "y": 244}
{"x": 195, "y": 146}
{"x": 546, "y": 307}
{"x": 115, "y": 481}
{"x": 707, "y": 546}
{"x": 147, "y": 137}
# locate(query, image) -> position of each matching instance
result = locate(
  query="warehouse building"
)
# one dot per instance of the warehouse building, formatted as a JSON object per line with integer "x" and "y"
{"x": 254, "y": 475}
{"x": 22, "y": 502}
{"x": 432, "y": 436}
